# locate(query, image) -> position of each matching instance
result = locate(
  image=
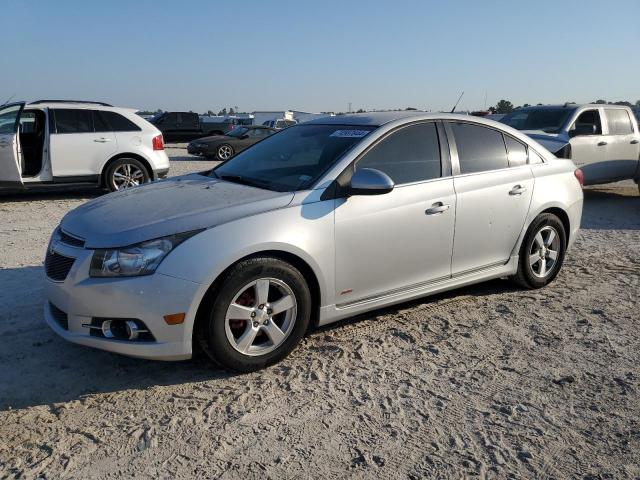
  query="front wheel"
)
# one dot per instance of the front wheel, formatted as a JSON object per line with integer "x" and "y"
{"x": 261, "y": 312}
{"x": 126, "y": 173}
{"x": 542, "y": 252}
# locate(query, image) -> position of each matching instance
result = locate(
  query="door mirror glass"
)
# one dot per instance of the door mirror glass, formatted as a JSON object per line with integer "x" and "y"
{"x": 583, "y": 129}
{"x": 369, "y": 181}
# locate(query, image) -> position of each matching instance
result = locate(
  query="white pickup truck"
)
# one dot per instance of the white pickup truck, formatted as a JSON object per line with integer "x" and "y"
{"x": 603, "y": 140}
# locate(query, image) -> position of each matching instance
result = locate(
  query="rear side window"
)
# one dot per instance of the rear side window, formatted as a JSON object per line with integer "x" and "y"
{"x": 412, "y": 154}
{"x": 479, "y": 148}
{"x": 618, "y": 121}
{"x": 115, "y": 122}
{"x": 516, "y": 152}
{"x": 73, "y": 121}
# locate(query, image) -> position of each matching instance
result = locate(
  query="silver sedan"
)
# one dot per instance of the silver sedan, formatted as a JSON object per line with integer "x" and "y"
{"x": 316, "y": 223}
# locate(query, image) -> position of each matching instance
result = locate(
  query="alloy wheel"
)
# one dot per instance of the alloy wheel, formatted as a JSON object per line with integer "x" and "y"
{"x": 225, "y": 152}
{"x": 261, "y": 316}
{"x": 544, "y": 252}
{"x": 127, "y": 175}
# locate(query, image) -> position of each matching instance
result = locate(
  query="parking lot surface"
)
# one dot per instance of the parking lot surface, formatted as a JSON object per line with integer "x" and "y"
{"x": 490, "y": 380}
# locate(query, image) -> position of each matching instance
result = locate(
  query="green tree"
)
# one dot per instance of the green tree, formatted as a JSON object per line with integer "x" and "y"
{"x": 601, "y": 102}
{"x": 231, "y": 111}
{"x": 223, "y": 112}
{"x": 504, "y": 106}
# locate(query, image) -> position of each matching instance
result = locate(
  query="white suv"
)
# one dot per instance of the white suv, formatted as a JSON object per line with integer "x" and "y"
{"x": 52, "y": 142}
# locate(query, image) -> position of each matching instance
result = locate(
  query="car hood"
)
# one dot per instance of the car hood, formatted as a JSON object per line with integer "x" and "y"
{"x": 158, "y": 209}
{"x": 551, "y": 141}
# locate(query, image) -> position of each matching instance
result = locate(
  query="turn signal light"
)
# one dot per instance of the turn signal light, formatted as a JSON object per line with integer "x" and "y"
{"x": 158, "y": 143}
{"x": 174, "y": 318}
{"x": 580, "y": 176}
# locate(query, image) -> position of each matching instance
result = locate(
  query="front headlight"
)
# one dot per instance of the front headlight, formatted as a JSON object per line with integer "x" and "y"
{"x": 140, "y": 259}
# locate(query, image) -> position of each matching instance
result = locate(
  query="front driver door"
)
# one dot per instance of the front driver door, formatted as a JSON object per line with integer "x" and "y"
{"x": 389, "y": 243}
{"x": 10, "y": 155}
{"x": 588, "y": 151}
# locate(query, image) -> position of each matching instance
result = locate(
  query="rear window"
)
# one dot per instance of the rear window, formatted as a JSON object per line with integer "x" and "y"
{"x": 618, "y": 121}
{"x": 73, "y": 121}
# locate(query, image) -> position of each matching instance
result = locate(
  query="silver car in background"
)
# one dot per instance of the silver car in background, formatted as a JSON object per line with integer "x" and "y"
{"x": 319, "y": 222}
{"x": 602, "y": 140}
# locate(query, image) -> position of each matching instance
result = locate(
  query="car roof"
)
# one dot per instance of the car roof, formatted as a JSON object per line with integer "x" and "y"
{"x": 77, "y": 104}
{"x": 571, "y": 106}
{"x": 371, "y": 118}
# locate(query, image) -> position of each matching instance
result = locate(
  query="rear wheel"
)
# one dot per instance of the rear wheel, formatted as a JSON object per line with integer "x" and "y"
{"x": 126, "y": 173}
{"x": 260, "y": 313}
{"x": 542, "y": 252}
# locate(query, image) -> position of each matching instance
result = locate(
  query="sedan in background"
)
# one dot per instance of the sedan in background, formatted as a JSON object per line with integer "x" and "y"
{"x": 223, "y": 147}
{"x": 325, "y": 220}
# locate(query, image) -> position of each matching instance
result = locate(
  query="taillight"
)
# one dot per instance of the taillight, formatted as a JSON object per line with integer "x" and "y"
{"x": 158, "y": 143}
{"x": 580, "y": 176}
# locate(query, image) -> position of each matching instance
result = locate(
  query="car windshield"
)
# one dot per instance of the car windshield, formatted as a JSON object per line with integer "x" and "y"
{"x": 549, "y": 120}
{"x": 237, "y": 132}
{"x": 293, "y": 159}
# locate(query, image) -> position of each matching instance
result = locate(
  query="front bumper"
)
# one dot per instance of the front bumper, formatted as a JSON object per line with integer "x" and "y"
{"x": 196, "y": 150}
{"x": 147, "y": 298}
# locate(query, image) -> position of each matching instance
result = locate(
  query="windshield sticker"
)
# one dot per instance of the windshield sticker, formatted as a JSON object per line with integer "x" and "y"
{"x": 349, "y": 133}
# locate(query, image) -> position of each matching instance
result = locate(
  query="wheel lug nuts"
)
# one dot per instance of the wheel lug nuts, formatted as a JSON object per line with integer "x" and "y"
{"x": 253, "y": 314}
{"x": 255, "y": 324}
{"x": 261, "y": 307}
{"x": 266, "y": 322}
{"x": 269, "y": 311}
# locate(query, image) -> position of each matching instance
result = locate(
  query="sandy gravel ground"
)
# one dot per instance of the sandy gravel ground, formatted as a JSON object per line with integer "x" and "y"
{"x": 489, "y": 381}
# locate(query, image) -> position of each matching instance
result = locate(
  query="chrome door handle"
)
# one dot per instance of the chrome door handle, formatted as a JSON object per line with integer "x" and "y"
{"x": 517, "y": 190}
{"x": 602, "y": 144}
{"x": 102, "y": 140}
{"x": 436, "y": 208}
{"x": 634, "y": 142}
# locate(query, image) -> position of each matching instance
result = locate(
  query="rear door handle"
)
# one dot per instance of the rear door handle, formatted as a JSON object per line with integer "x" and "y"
{"x": 517, "y": 190}
{"x": 436, "y": 208}
{"x": 634, "y": 142}
{"x": 102, "y": 140}
{"x": 602, "y": 144}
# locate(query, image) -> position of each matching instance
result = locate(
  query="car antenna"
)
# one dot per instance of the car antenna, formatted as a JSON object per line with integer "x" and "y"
{"x": 9, "y": 99}
{"x": 459, "y": 98}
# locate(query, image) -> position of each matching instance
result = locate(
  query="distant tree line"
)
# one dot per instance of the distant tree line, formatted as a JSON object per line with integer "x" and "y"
{"x": 505, "y": 106}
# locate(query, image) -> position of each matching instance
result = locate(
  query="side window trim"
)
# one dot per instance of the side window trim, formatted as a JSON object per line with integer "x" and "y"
{"x": 443, "y": 171}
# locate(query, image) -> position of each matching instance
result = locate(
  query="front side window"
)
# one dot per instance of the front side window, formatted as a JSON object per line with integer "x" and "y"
{"x": 9, "y": 119}
{"x": 73, "y": 121}
{"x": 480, "y": 148}
{"x": 587, "y": 123}
{"x": 294, "y": 159}
{"x": 411, "y": 154}
{"x": 618, "y": 121}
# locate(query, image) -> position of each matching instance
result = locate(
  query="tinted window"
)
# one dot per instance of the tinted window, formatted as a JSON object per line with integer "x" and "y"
{"x": 516, "y": 152}
{"x": 411, "y": 154}
{"x": 117, "y": 122}
{"x": 479, "y": 148}
{"x": 100, "y": 123}
{"x": 618, "y": 121}
{"x": 73, "y": 121}
{"x": 549, "y": 120}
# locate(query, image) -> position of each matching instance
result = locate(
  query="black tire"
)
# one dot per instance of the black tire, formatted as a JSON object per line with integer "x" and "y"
{"x": 528, "y": 275}
{"x": 211, "y": 332}
{"x": 220, "y": 156}
{"x": 112, "y": 182}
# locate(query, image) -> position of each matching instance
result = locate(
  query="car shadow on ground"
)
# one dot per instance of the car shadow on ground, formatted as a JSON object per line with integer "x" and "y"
{"x": 52, "y": 193}
{"x": 609, "y": 209}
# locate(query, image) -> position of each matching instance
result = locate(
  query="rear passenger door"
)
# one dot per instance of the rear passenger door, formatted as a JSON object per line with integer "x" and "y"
{"x": 76, "y": 150}
{"x": 623, "y": 147}
{"x": 493, "y": 191}
{"x": 388, "y": 243}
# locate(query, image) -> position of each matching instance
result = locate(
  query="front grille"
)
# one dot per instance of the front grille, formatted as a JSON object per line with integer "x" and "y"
{"x": 57, "y": 266}
{"x": 59, "y": 316}
{"x": 71, "y": 240}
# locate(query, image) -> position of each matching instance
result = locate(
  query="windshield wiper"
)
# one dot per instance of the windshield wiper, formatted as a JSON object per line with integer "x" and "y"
{"x": 243, "y": 180}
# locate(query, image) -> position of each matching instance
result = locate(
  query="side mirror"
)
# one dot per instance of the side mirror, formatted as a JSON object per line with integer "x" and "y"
{"x": 583, "y": 129}
{"x": 368, "y": 181}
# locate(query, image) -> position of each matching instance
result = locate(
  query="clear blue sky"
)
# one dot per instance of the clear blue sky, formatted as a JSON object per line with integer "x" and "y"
{"x": 320, "y": 55}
